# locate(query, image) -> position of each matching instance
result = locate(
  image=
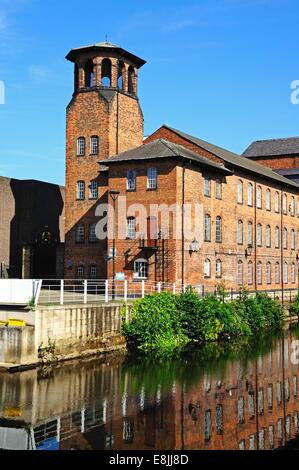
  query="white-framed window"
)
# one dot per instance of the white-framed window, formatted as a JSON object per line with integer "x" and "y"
{"x": 240, "y": 192}
{"x": 268, "y": 236}
{"x": 152, "y": 178}
{"x": 81, "y": 146}
{"x": 218, "y": 188}
{"x": 207, "y": 186}
{"x": 218, "y": 229}
{"x": 94, "y": 145}
{"x": 207, "y": 228}
{"x": 276, "y": 202}
{"x": 131, "y": 180}
{"x": 93, "y": 271}
{"x": 80, "y": 190}
{"x": 259, "y": 273}
{"x": 218, "y": 268}
{"x": 250, "y": 234}
{"x": 293, "y": 273}
{"x": 93, "y": 189}
{"x": 80, "y": 272}
{"x": 259, "y": 235}
{"x": 250, "y": 273}
{"x": 240, "y": 273}
{"x": 207, "y": 268}
{"x": 292, "y": 239}
{"x": 131, "y": 228}
{"x": 276, "y": 237}
{"x": 259, "y": 197}
{"x": 292, "y": 206}
{"x": 268, "y": 200}
{"x": 250, "y": 194}
{"x": 284, "y": 203}
{"x": 92, "y": 236}
{"x": 240, "y": 232}
{"x": 80, "y": 233}
{"x": 140, "y": 269}
{"x": 268, "y": 273}
{"x": 285, "y": 238}
{"x": 277, "y": 273}
{"x": 285, "y": 272}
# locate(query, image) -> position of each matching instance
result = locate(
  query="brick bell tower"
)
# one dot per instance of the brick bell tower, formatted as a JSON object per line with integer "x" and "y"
{"x": 103, "y": 119}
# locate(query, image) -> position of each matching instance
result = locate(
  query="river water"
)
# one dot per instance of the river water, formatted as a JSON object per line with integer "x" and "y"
{"x": 242, "y": 395}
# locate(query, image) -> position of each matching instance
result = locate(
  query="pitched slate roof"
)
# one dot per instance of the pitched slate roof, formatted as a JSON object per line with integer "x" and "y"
{"x": 235, "y": 160}
{"x": 274, "y": 147}
{"x": 162, "y": 148}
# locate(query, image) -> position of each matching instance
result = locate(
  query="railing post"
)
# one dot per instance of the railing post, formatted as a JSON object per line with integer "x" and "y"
{"x": 159, "y": 287}
{"x": 106, "y": 291}
{"x": 61, "y": 292}
{"x": 142, "y": 289}
{"x": 126, "y": 291}
{"x": 173, "y": 288}
{"x": 85, "y": 292}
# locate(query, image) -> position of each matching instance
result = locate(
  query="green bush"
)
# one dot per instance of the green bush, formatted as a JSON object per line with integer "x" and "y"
{"x": 294, "y": 309}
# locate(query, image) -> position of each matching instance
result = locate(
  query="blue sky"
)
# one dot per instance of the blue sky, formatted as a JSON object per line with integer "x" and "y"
{"x": 219, "y": 69}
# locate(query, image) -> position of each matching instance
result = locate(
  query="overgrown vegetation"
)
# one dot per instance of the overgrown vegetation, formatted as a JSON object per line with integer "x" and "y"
{"x": 163, "y": 323}
{"x": 294, "y": 309}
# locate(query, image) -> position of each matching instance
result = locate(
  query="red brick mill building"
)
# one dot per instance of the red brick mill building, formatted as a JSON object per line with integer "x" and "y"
{"x": 249, "y": 214}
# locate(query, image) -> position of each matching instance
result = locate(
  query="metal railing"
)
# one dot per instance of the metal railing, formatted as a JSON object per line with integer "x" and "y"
{"x": 63, "y": 292}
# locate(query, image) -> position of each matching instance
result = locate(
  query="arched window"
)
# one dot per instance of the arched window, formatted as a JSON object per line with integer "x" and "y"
{"x": 259, "y": 273}
{"x": 131, "y": 180}
{"x": 89, "y": 74}
{"x": 268, "y": 200}
{"x": 276, "y": 203}
{"x": 250, "y": 194}
{"x": 284, "y": 203}
{"x": 218, "y": 229}
{"x": 207, "y": 268}
{"x": 250, "y": 235}
{"x": 106, "y": 73}
{"x": 268, "y": 236}
{"x": 250, "y": 273}
{"x": 80, "y": 272}
{"x": 259, "y": 235}
{"x": 121, "y": 73}
{"x": 207, "y": 228}
{"x": 268, "y": 273}
{"x": 80, "y": 190}
{"x": 293, "y": 273}
{"x": 276, "y": 236}
{"x": 285, "y": 238}
{"x": 218, "y": 268}
{"x": 93, "y": 189}
{"x": 93, "y": 271}
{"x": 81, "y": 147}
{"x": 152, "y": 178}
{"x": 240, "y": 232}
{"x": 218, "y": 188}
{"x": 292, "y": 206}
{"x": 140, "y": 269}
{"x": 240, "y": 273}
{"x": 131, "y": 80}
{"x": 292, "y": 239}
{"x": 92, "y": 236}
{"x": 285, "y": 272}
{"x": 131, "y": 228}
{"x": 259, "y": 197}
{"x": 94, "y": 145}
{"x": 277, "y": 273}
{"x": 240, "y": 192}
{"x": 80, "y": 233}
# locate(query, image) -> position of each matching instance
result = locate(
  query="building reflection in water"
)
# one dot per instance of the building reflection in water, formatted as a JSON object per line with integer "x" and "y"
{"x": 236, "y": 403}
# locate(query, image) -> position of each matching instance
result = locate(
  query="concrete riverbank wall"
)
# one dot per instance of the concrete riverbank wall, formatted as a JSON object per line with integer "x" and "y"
{"x": 61, "y": 333}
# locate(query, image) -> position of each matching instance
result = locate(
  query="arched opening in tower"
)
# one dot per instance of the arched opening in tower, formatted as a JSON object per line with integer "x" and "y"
{"x": 106, "y": 73}
{"x": 89, "y": 74}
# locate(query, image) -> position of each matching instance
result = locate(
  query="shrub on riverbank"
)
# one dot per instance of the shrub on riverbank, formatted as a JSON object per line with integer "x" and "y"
{"x": 161, "y": 323}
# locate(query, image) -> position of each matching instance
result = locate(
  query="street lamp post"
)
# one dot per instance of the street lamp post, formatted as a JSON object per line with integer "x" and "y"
{"x": 114, "y": 195}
